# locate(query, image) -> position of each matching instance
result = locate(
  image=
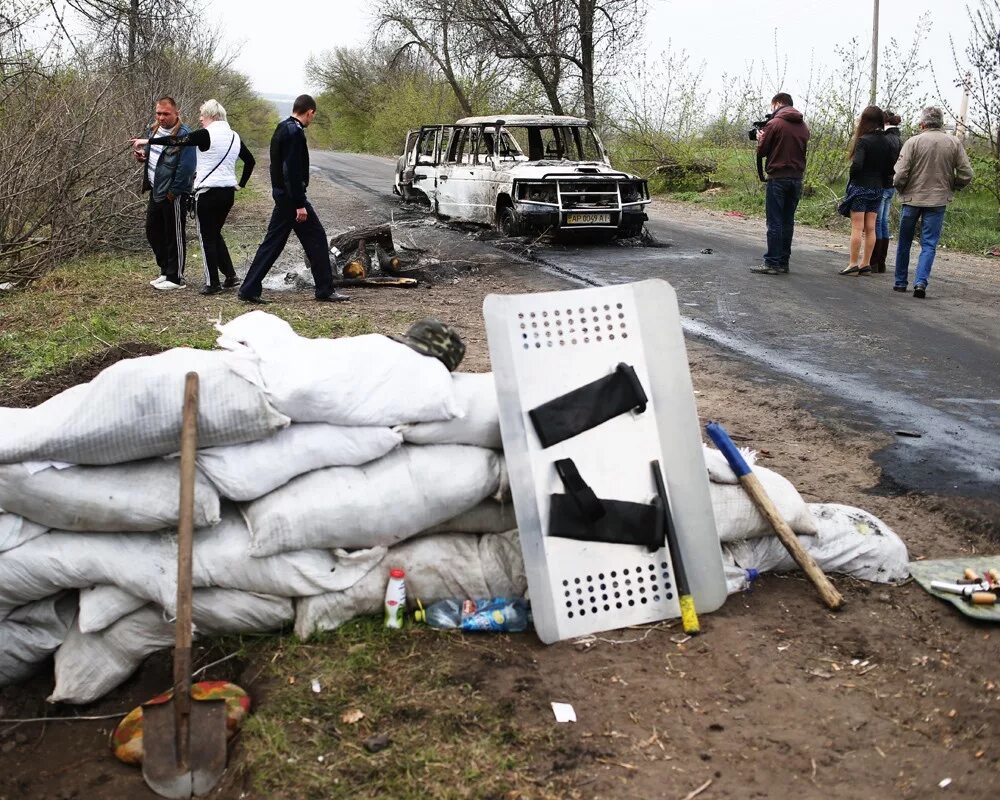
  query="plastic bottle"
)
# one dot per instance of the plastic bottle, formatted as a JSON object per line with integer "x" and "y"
{"x": 493, "y": 614}
{"x": 395, "y": 599}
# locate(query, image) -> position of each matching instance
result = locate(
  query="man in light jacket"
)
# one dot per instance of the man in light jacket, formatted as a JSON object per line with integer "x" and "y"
{"x": 932, "y": 166}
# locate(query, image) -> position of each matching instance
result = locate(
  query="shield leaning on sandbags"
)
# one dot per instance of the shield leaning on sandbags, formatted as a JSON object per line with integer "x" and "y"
{"x": 572, "y": 370}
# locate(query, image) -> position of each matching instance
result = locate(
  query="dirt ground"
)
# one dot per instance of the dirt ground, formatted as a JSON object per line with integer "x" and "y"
{"x": 889, "y": 697}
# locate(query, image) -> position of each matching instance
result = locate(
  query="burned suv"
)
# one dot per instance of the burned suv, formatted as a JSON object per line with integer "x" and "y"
{"x": 522, "y": 174}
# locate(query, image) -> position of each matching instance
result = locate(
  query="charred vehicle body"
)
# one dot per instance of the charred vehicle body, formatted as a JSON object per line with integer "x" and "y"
{"x": 522, "y": 174}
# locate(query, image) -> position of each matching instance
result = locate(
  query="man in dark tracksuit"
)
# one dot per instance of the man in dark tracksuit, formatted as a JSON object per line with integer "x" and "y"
{"x": 168, "y": 176}
{"x": 292, "y": 211}
{"x": 782, "y": 144}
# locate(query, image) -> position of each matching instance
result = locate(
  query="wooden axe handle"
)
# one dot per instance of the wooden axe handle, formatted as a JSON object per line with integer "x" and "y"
{"x": 765, "y": 505}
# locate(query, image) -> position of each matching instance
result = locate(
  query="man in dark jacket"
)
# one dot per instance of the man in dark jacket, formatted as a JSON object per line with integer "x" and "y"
{"x": 292, "y": 211}
{"x": 168, "y": 177}
{"x": 781, "y": 144}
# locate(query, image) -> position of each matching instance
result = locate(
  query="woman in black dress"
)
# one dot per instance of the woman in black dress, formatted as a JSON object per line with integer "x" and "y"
{"x": 871, "y": 167}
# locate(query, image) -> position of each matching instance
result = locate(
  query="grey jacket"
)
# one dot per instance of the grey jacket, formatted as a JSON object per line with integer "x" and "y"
{"x": 932, "y": 166}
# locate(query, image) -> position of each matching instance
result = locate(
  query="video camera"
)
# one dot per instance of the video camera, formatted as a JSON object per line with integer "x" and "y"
{"x": 758, "y": 126}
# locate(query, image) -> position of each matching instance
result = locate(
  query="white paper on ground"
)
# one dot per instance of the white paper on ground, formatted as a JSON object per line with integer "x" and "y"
{"x": 564, "y": 712}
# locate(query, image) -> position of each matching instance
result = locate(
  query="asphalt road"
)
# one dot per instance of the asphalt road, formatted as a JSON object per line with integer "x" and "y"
{"x": 876, "y": 356}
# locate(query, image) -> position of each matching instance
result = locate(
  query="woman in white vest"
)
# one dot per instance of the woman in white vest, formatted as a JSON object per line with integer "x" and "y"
{"x": 219, "y": 146}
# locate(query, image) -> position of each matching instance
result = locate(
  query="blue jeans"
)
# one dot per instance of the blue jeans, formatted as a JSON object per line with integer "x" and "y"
{"x": 930, "y": 234}
{"x": 780, "y": 201}
{"x": 882, "y": 223}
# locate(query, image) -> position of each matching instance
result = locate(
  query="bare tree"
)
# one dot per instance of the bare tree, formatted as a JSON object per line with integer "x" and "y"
{"x": 127, "y": 30}
{"x": 531, "y": 33}
{"x": 980, "y": 71}
{"x": 603, "y": 31}
{"x": 441, "y": 29}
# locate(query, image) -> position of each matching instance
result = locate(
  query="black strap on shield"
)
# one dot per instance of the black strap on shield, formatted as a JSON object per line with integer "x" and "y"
{"x": 589, "y": 406}
{"x": 580, "y": 514}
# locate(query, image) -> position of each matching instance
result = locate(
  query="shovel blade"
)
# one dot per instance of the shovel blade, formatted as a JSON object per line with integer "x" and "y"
{"x": 206, "y": 762}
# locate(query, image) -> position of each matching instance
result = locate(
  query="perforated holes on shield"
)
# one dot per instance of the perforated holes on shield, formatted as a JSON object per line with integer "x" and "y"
{"x": 567, "y": 327}
{"x": 614, "y": 590}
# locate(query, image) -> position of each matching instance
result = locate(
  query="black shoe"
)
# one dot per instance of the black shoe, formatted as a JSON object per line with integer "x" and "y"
{"x": 899, "y": 288}
{"x": 851, "y": 270}
{"x": 229, "y": 283}
{"x": 216, "y": 289}
{"x": 767, "y": 269}
{"x": 335, "y": 297}
{"x": 920, "y": 291}
{"x": 258, "y": 300}
{"x": 866, "y": 270}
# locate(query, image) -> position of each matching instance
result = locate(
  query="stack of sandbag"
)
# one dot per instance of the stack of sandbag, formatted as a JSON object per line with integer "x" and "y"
{"x": 322, "y": 465}
{"x": 315, "y": 455}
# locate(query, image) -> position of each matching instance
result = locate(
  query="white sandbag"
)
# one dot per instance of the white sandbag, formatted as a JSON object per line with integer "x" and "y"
{"x": 141, "y": 563}
{"x": 221, "y": 559}
{"x": 219, "y": 611}
{"x": 736, "y": 517}
{"x": 104, "y": 605}
{"x": 478, "y": 420}
{"x": 139, "y": 496}
{"x": 718, "y": 468}
{"x": 353, "y": 380}
{"x": 445, "y": 565}
{"x": 32, "y": 633}
{"x": 247, "y": 471}
{"x": 849, "y": 541}
{"x": 215, "y": 610}
{"x": 408, "y": 491}
{"x": 16, "y": 530}
{"x": 487, "y": 517}
{"x": 89, "y": 665}
{"x": 132, "y": 411}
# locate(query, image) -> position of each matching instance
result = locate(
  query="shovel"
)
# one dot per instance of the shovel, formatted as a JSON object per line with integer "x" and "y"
{"x": 184, "y": 743}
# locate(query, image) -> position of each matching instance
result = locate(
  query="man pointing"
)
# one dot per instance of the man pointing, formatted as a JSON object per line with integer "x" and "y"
{"x": 292, "y": 211}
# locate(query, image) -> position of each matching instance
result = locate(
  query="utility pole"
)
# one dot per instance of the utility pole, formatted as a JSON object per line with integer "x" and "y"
{"x": 871, "y": 98}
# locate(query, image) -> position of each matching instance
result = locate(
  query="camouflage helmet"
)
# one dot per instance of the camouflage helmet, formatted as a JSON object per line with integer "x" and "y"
{"x": 431, "y": 337}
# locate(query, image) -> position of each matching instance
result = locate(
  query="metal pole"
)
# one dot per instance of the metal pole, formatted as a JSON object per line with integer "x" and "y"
{"x": 871, "y": 99}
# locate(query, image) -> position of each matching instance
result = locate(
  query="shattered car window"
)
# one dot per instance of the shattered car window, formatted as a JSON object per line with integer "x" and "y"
{"x": 556, "y": 143}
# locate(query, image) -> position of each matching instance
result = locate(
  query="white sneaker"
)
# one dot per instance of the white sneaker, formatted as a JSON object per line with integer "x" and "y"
{"x": 164, "y": 286}
{"x": 158, "y": 279}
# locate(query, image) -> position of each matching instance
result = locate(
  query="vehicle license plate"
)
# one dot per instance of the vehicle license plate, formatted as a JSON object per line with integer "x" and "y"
{"x": 588, "y": 219}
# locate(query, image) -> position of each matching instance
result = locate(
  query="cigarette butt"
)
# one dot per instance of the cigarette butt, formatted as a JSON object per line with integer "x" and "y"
{"x": 994, "y": 575}
{"x": 970, "y": 574}
{"x": 983, "y": 598}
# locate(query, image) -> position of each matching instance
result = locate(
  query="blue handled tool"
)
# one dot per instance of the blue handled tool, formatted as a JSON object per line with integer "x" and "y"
{"x": 765, "y": 505}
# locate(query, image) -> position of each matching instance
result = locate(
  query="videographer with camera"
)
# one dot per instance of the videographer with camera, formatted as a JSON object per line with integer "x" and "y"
{"x": 782, "y": 138}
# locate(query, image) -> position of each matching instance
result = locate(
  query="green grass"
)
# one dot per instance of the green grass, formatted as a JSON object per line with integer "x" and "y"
{"x": 94, "y": 303}
{"x": 449, "y": 737}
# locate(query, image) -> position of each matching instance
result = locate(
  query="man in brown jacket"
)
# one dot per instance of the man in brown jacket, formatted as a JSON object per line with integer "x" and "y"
{"x": 932, "y": 166}
{"x": 782, "y": 144}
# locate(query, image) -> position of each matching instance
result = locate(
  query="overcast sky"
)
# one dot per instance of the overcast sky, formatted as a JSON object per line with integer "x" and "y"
{"x": 725, "y": 34}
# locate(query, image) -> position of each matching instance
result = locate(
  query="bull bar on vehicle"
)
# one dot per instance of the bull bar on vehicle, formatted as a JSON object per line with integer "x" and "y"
{"x": 574, "y": 201}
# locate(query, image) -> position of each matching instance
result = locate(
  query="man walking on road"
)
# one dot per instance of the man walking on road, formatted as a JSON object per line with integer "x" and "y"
{"x": 168, "y": 177}
{"x": 781, "y": 144}
{"x": 932, "y": 166}
{"x": 292, "y": 211}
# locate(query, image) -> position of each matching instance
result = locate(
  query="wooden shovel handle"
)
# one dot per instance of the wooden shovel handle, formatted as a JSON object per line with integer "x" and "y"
{"x": 765, "y": 505}
{"x": 185, "y": 544}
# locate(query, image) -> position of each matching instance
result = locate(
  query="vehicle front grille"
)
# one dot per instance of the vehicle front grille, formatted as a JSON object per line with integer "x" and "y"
{"x": 589, "y": 195}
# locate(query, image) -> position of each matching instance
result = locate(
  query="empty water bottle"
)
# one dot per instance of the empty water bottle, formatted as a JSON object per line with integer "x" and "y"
{"x": 511, "y": 614}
